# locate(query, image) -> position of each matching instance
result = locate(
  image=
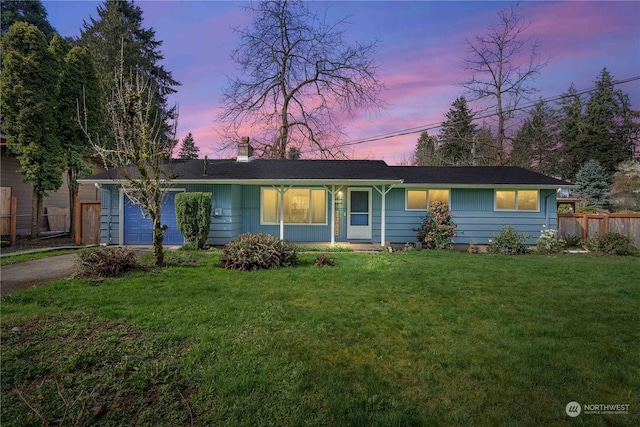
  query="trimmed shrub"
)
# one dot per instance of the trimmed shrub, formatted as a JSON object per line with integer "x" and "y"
{"x": 587, "y": 209}
{"x": 550, "y": 243}
{"x": 509, "y": 242}
{"x": 104, "y": 261}
{"x": 565, "y": 208}
{"x": 193, "y": 215}
{"x": 610, "y": 243}
{"x": 436, "y": 228}
{"x": 258, "y": 251}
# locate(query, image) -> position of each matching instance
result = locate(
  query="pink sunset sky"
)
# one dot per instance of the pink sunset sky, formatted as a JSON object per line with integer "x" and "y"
{"x": 421, "y": 49}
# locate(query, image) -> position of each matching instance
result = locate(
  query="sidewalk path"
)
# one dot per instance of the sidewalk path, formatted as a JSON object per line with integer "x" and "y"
{"x": 36, "y": 272}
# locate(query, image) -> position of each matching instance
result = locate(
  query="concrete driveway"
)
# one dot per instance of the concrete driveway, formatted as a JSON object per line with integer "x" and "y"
{"x": 36, "y": 272}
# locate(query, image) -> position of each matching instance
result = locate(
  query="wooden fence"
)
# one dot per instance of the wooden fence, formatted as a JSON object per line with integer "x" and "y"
{"x": 588, "y": 225}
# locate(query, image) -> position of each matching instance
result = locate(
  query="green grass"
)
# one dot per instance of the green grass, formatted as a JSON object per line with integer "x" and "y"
{"x": 420, "y": 338}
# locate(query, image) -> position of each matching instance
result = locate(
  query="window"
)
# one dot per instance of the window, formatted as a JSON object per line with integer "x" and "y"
{"x": 517, "y": 200}
{"x": 301, "y": 206}
{"x": 422, "y": 199}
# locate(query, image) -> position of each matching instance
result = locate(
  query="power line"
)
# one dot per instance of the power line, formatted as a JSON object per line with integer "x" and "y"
{"x": 427, "y": 127}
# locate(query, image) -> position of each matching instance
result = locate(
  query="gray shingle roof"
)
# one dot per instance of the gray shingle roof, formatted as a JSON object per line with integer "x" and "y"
{"x": 347, "y": 170}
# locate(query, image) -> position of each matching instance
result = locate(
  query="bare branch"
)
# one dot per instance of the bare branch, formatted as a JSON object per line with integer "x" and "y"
{"x": 503, "y": 63}
{"x": 299, "y": 76}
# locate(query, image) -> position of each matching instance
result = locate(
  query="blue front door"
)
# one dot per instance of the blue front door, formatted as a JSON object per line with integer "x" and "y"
{"x": 138, "y": 230}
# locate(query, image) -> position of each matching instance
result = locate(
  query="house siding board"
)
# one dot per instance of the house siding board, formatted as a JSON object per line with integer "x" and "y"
{"x": 478, "y": 226}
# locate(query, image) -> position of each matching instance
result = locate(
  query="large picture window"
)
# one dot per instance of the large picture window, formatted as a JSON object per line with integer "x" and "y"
{"x": 517, "y": 200}
{"x": 422, "y": 199}
{"x": 301, "y": 206}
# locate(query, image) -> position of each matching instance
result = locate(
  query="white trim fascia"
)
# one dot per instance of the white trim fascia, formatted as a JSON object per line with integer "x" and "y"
{"x": 486, "y": 186}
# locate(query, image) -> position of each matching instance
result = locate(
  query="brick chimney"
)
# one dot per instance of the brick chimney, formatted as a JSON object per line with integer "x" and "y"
{"x": 245, "y": 150}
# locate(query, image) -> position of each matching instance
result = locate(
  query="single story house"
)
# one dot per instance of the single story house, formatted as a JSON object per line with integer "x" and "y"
{"x": 335, "y": 201}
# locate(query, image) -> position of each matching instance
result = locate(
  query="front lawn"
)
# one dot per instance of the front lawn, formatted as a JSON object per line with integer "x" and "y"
{"x": 420, "y": 338}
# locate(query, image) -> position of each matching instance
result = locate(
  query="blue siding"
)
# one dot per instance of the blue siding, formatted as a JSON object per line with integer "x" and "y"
{"x": 473, "y": 212}
{"x": 239, "y": 207}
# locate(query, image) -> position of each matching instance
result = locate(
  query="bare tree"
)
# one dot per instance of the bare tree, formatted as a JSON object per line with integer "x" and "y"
{"x": 299, "y": 75}
{"x": 503, "y": 63}
{"x": 139, "y": 149}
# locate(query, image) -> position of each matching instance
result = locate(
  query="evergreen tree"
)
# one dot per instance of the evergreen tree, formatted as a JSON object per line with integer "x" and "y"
{"x": 29, "y": 11}
{"x": 593, "y": 184}
{"x": 425, "y": 154}
{"x": 570, "y": 128}
{"x": 487, "y": 151}
{"x": 536, "y": 141}
{"x": 118, "y": 41}
{"x": 609, "y": 126}
{"x": 27, "y": 89}
{"x": 457, "y": 135}
{"x": 188, "y": 149}
{"x": 78, "y": 90}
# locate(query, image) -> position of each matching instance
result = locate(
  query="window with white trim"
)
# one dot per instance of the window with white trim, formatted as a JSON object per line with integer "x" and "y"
{"x": 301, "y": 206}
{"x": 420, "y": 200}
{"x": 517, "y": 200}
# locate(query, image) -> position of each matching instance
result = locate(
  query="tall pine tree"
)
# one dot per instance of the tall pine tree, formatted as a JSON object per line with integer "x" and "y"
{"x": 536, "y": 141}
{"x": 457, "y": 135}
{"x": 609, "y": 127}
{"x": 78, "y": 92}
{"x": 28, "y": 92}
{"x": 119, "y": 43}
{"x": 188, "y": 150}
{"x": 29, "y": 11}
{"x": 425, "y": 154}
{"x": 570, "y": 122}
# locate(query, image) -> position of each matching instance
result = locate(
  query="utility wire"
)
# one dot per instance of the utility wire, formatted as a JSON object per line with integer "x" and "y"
{"x": 427, "y": 127}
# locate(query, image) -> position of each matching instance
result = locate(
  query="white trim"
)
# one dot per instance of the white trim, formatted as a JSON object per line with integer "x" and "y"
{"x": 428, "y": 198}
{"x": 281, "y": 190}
{"x": 349, "y": 226}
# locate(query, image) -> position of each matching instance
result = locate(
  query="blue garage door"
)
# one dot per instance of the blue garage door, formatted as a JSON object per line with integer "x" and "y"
{"x": 138, "y": 230}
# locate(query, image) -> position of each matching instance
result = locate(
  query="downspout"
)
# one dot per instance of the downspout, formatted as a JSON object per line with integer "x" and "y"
{"x": 546, "y": 210}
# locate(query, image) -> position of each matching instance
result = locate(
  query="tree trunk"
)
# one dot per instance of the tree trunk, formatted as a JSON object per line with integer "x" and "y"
{"x": 158, "y": 237}
{"x": 36, "y": 215}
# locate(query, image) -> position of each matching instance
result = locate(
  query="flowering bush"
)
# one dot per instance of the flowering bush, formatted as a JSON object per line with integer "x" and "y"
{"x": 549, "y": 242}
{"x": 436, "y": 228}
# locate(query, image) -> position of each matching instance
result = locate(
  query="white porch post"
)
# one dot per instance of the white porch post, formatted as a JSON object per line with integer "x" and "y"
{"x": 383, "y": 190}
{"x": 383, "y": 220}
{"x": 333, "y": 215}
{"x": 281, "y": 191}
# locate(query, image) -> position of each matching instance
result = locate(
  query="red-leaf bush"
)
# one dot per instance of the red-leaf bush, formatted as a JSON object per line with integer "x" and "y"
{"x": 436, "y": 228}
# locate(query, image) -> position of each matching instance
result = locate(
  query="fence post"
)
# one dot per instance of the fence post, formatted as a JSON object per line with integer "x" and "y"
{"x": 585, "y": 226}
{"x": 78, "y": 221}
{"x": 605, "y": 224}
{"x": 13, "y": 220}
